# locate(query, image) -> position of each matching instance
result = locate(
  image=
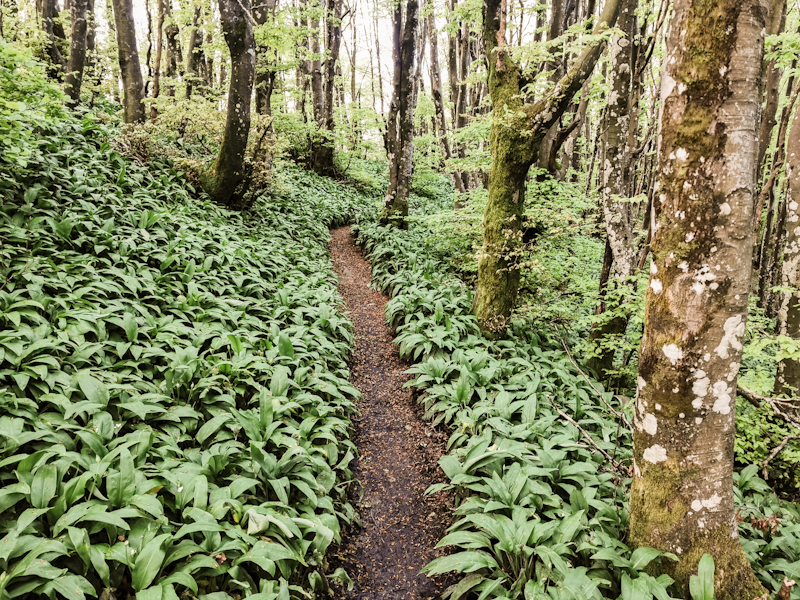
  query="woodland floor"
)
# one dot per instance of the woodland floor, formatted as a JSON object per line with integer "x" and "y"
{"x": 398, "y": 453}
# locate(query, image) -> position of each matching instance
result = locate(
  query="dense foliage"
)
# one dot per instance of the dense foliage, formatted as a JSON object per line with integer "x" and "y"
{"x": 175, "y": 404}
{"x": 539, "y": 452}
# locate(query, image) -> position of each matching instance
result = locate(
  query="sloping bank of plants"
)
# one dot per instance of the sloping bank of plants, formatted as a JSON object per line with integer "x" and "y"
{"x": 174, "y": 404}
{"x": 541, "y": 507}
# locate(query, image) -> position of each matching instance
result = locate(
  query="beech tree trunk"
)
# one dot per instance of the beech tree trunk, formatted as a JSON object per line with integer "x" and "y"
{"x": 787, "y": 380}
{"x": 438, "y": 102}
{"x": 56, "y": 60}
{"x": 77, "y": 52}
{"x": 515, "y": 140}
{"x": 192, "y": 53}
{"x": 131, "y": 71}
{"x": 324, "y": 153}
{"x": 400, "y": 126}
{"x": 615, "y": 188}
{"x": 696, "y": 304}
{"x": 221, "y": 179}
{"x": 157, "y": 66}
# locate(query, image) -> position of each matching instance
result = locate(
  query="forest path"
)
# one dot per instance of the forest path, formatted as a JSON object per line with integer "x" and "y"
{"x": 398, "y": 453}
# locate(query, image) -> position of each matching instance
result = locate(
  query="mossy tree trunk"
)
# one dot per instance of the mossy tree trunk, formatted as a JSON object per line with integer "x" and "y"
{"x": 515, "y": 139}
{"x": 400, "y": 126}
{"x": 77, "y": 51}
{"x": 696, "y": 304}
{"x": 221, "y": 179}
{"x": 788, "y": 377}
{"x": 157, "y": 64}
{"x": 130, "y": 69}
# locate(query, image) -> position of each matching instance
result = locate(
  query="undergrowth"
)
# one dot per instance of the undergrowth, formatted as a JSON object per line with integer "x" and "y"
{"x": 173, "y": 375}
{"x": 541, "y": 509}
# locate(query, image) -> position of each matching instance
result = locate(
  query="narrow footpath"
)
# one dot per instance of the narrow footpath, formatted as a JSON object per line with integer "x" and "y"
{"x": 398, "y": 453}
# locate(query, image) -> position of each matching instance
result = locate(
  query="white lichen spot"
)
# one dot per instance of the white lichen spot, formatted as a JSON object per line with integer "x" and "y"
{"x": 725, "y": 209}
{"x": 658, "y": 406}
{"x": 734, "y": 329}
{"x": 672, "y": 352}
{"x": 650, "y": 424}
{"x": 697, "y": 505}
{"x": 793, "y": 205}
{"x": 689, "y": 236}
{"x": 684, "y": 266}
{"x": 656, "y": 285}
{"x": 697, "y": 403}
{"x": 681, "y": 154}
{"x": 700, "y": 386}
{"x": 681, "y": 416}
{"x": 653, "y": 267}
{"x": 706, "y": 357}
{"x": 675, "y": 390}
{"x": 722, "y": 404}
{"x": 640, "y": 382}
{"x": 655, "y": 454}
{"x": 698, "y": 420}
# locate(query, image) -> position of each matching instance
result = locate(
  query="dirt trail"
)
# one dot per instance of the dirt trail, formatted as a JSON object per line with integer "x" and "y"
{"x": 398, "y": 453}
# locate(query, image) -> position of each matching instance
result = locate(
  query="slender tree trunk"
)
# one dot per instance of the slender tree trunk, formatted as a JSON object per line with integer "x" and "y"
{"x": 132, "y": 85}
{"x": 401, "y": 126}
{"x": 618, "y": 214}
{"x": 192, "y": 54}
{"x": 221, "y": 179}
{"x": 157, "y": 67}
{"x": 515, "y": 141}
{"x": 56, "y": 64}
{"x": 438, "y": 102}
{"x": 787, "y": 380}
{"x": 324, "y": 155}
{"x": 772, "y": 86}
{"x": 696, "y": 305}
{"x": 77, "y": 52}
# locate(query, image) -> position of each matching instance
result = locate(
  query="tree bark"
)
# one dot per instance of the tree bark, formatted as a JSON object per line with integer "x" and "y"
{"x": 787, "y": 380}
{"x": 515, "y": 140}
{"x": 401, "y": 126}
{"x": 77, "y": 52}
{"x": 696, "y": 304}
{"x": 131, "y": 71}
{"x": 221, "y": 179}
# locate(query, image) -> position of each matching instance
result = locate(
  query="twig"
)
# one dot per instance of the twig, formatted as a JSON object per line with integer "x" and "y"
{"x": 587, "y": 436}
{"x": 773, "y": 403}
{"x": 777, "y": 450}
{"x": 619, "y": 415}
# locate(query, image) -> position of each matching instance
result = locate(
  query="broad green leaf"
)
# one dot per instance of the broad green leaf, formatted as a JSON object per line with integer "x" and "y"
{"x": 148, "y": 563}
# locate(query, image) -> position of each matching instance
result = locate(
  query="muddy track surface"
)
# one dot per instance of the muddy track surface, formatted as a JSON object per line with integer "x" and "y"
{"x": 398, "y": 454}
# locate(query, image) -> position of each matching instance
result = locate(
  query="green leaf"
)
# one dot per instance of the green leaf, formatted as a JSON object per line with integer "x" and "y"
{"x": 461, "y": 562}
{"x": 44, "y": 485}
{"x": 285, "y": 347}
{"x": 148, "y": 562}
{"x": 701, "y": 586}
{"x": 94, "y": 390}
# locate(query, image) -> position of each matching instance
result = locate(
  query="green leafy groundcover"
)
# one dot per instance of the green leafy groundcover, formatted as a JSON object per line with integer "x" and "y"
{"x": 173, "y": 378}
{"x": 540, "y": 514}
